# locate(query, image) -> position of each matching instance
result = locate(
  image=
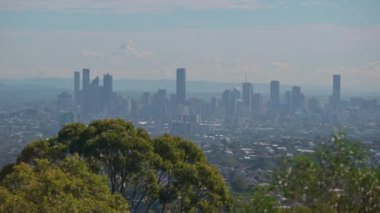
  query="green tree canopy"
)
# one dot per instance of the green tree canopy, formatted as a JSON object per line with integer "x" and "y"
{"x": 188, "y": 182}
{"x": 336, "y": 178}
{"x": 163, "y": 174}
{"x": 68, "y": 186}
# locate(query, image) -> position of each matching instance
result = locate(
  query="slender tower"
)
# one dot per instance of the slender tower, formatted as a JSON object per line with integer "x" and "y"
{"x": 247, "y": 97}
{"x": 336, "y": 88}
{"x": 86, "y": 79}
{"x": 274, "y": 95}
{"x": 107, "y": 88}
{"x": 76, "y": 87}
{"x": 181, "y": 86}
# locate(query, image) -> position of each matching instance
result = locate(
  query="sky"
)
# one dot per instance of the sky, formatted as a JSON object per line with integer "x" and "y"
{"x": 295, "y": 41}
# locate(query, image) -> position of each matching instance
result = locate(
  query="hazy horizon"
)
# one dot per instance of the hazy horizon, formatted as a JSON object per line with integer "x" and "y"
{"x": 194, "y": 86}
{"x": 296, "y": 42}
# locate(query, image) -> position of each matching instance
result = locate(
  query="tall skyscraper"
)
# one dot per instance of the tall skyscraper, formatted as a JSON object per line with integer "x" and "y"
{"x": 86, "y": 79}
{"x": 94, "y": 96}
{"x": 85, "y": 95}
{"x": 257, "y": 102}
{"x": 160, "y": 105}
{"x": 247, "y": 97}
{"x": 236, "y": 95}
{"x": 288, "y": 100}
{"x": 336, "y": 89}
{"x": 274, "y": 95}
{"x": 228, "y": 102}
{"x": 181, "y": 86}
{"x": 296, "y": 98}
{"x": 107, "y": 88}
{"x": 76, "y": 87}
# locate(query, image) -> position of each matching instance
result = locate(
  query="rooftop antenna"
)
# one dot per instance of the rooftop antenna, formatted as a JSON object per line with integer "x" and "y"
{"x": 245, "y": 77}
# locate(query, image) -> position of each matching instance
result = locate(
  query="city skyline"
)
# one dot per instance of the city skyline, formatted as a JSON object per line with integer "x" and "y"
{"x": 217, "y": 40}
{"x": 190, "y": 105}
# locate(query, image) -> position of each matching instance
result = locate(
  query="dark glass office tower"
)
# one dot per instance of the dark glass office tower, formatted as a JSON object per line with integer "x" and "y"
{"x": 296, "y": 98}
{"x": 247, "y": 97}
{"x": 336, "y": 88}
{"x": 86, "y": 79}
{"x": 76, "y": 87}
{"x": 274, "y": 94}
{"x": 181, "y": 86}
{"x": 107, "y": 84}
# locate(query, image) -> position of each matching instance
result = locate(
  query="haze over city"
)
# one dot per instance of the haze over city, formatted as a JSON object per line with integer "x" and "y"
{"x": 245, "y": 106}
{"x": 297, "y": 42}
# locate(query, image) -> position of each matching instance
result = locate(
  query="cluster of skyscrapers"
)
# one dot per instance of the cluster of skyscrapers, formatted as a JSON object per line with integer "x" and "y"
{"x": 169, "y": 113}
{"x": 92, "y": 98}
{"x": 246, "y": 103}
{"x": 176, "y": 113}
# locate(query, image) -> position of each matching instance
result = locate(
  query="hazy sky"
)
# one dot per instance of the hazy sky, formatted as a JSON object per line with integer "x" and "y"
{"x": 294, "y": 41}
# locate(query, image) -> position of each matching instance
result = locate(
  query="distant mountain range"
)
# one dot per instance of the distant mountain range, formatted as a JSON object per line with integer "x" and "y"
{"x": 131, "y": 85}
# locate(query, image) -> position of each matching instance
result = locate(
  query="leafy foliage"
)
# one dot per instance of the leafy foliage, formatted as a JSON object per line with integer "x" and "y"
{"x": 167, "y": 174}
{"x": 335, "y": 178}
{"x": 187, "y": 181}
{"x": 97, "y": 168}
{"x": 42, "y": 149}
{"x": 258, "y": 200}
{"x": 65, "y": 187}
{"x": 125, "y": 157}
